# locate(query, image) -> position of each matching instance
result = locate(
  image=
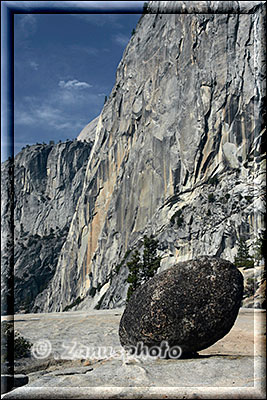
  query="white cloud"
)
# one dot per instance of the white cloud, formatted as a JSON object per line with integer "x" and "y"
{"x": 34, "y": 65}
{"x": 121, "y": 39}
{"x": 63, "y": 110}
{"x": 48, "y": 115}
{"x": 24, "y": 118}
{"x": 74, "y": 84}
{"x": 55, "y": 110}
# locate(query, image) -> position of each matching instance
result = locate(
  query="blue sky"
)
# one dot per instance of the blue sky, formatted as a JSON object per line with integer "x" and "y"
{"x": 64, "y": 66}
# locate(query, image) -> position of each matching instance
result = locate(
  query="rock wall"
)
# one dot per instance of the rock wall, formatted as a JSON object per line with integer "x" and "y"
{"x": 179, "y": 135}
{"x": 177, "y": 152}
{"x": 48, "y": 181}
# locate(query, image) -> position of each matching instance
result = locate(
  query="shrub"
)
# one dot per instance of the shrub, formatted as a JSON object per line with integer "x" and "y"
{"x": 9, "y": 338}
{"x": 213, "y": 181}
{"x": 227, "y": 196}
{"x": 249, "y": 198}
{"x": 22, "y": 346}
{"x": 134, "y": 277}
{"x": 118, "y": 266}
{"x": 258, "y": 249}
{"x": 92, "y": 291}
{"x": 211, "y": 198}
{"x": 177, "y": 219}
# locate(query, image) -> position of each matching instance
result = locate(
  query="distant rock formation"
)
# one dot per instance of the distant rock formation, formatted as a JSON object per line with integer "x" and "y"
{"x": 48, "y": 181}
{"x": 191, "y": 305}
{"x": 88, "y": 132}
{"x": 177, "y": 153}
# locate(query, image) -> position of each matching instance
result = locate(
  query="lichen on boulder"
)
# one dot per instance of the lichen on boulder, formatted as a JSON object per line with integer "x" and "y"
{"x": 192, "y": 305}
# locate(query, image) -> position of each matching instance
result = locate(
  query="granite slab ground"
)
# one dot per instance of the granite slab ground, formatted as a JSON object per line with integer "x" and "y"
{"x": 78, "y": 355}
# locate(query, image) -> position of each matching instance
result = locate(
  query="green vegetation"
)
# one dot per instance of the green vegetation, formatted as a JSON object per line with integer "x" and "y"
{"x": 22, "y": 346}
{"x": 135, "y": 268}
{"x": 133, "y": 32}
{"x": 177, "y": 219}
{"x": 211, "y": 198}
{"x": 249, "y": 199}
{"x": 14, "y": 340}
{"x": 141, "y": 270}
{"x": 92, "y": 291}
{"x": 213, "y": 181}
{"x": 118, "y": 267}
{"x": 258, "y": 250}
{"x": 244, "y": 259}
{"x": 227, "y": 197}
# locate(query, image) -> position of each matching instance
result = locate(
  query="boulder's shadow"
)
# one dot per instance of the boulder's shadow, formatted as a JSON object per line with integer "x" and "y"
{"x": 185, "y": 356}
{"x": 195, "y": 356}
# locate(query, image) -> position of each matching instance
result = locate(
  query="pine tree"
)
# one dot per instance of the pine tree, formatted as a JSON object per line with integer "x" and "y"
{"x": 142, "y": 271}
{"x": 134, "y": 267}
{"x": 151, "y": 262}
{"x": 258, "y": 251}
{"x": 243, "y": 258}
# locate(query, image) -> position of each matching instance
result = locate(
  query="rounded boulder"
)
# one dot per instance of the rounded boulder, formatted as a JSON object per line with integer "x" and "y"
{"x": 191, "y": 305}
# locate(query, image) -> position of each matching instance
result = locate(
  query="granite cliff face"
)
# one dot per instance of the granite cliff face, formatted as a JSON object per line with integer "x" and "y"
{"x": 48, "y": 182}
{"x": 177, "y": 153}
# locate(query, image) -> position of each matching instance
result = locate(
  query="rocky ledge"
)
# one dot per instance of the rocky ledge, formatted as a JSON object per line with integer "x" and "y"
{"x": 234, "y": 367}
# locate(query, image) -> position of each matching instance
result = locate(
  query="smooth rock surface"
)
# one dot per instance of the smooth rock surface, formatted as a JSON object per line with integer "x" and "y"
{"x": 234, "y": 367}
{"x": 88, "y": 132}
{"x": 191, "y": 305}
